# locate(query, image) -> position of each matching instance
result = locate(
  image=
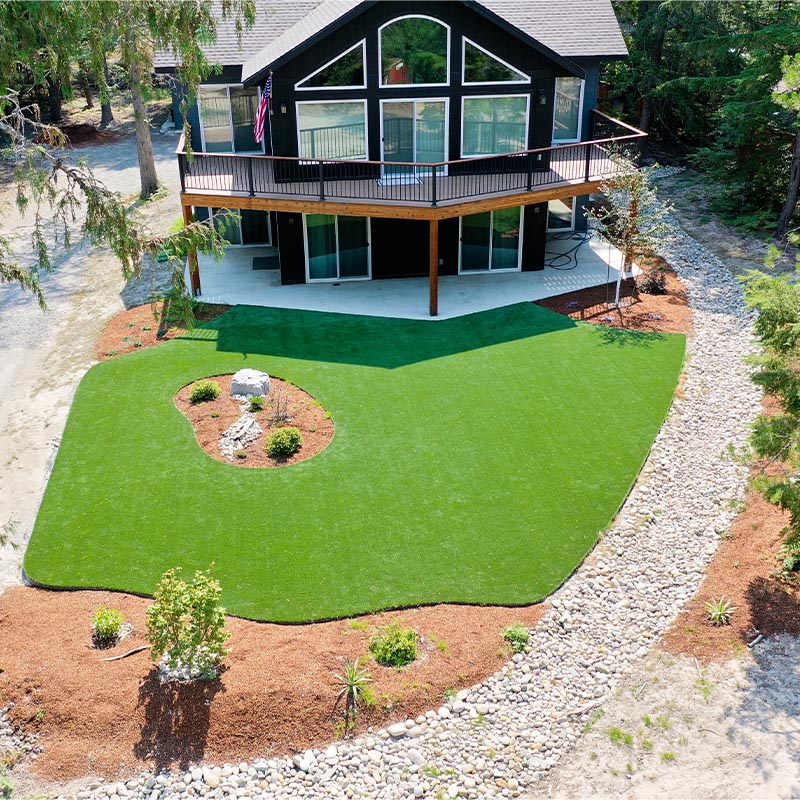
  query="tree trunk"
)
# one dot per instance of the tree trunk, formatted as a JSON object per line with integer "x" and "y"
{"x": 144, "y": 145}
{"x": 106, "y": 115}
{"x": 650, "y": 24}
{"x": 87, "y": 89}
{"x": 55, "y": 98}
{"x": 794, "y": 188}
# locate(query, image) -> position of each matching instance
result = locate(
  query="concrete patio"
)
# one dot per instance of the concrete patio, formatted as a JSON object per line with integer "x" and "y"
{"x": 234, "y": 281}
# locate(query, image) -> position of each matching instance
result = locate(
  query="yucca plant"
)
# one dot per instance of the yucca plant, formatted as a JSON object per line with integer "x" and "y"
{"x": 719, "y": 611}
{"x": 354, "y": 680}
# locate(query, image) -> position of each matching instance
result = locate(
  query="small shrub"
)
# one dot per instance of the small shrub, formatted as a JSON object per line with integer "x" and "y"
{"x": 256, "y": 403}
{"x": 653, "y": 280}
{"x": 355, "y": 691}
{"x": 284, "y": 442}
{"x": 517, "y": 636}
{"x": 203, "y": 391}
{"x": 107, "y": 626}
{"x": 719, "y": 611}
{"x": 668, "y": 756}
{"x": 241, "y": 454}
{"x": 618, "y": 736}
{"x": 7, "y": 786}
{"x": 394, "y": 646}
{"x": 137, "y": 343}
{"x": 215, "y": 415}
{"x": 186, "y": 624}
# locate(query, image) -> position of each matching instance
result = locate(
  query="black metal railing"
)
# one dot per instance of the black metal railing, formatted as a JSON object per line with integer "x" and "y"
{"x": 613, "y": 146}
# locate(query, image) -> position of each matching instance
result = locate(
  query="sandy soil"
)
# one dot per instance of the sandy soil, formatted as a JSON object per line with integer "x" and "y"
{"x": 43, "y": 355}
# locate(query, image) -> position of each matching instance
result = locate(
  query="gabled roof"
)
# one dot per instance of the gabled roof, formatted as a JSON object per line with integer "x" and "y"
{"x": 566, "y": 28}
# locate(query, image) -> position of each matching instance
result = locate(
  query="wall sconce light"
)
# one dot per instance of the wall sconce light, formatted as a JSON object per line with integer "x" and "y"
{"x": 542, "y": 97}
{"x": 283, "y": 108}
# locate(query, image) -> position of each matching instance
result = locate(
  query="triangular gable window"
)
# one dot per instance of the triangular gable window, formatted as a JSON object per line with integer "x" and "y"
{"x": 344, "y": 72}
{"x": 480, "y": 66}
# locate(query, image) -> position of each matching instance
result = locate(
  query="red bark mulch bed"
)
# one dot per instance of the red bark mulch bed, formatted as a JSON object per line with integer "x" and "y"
{"x": 742, "y": 572}
{"x": 212, "y": 418}
{"x": 137, "y": 328}
{"x": 655, "y": 313}
{"x": 276, "y": 696}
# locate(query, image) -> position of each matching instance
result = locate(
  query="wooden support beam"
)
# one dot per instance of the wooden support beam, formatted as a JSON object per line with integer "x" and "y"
{"x": 194, "y": 267}
{"x": 434, "y": 267}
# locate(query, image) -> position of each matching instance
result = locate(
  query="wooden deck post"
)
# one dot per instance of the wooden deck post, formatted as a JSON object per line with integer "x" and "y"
{"x": 434, "y": 267}
{"x": 191, "y": 254}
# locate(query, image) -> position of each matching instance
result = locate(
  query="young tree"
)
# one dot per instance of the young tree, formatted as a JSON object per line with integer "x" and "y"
{"x": 787, "y": 95}
{"x": 64, "y": 194}
{"x": 632, "y": 218}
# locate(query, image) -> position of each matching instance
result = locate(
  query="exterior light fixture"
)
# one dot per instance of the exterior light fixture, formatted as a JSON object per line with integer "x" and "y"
{"x": 542, "y": 97}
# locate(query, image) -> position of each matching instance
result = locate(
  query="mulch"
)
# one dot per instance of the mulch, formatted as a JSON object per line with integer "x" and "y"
{"x": 211, "y": 419}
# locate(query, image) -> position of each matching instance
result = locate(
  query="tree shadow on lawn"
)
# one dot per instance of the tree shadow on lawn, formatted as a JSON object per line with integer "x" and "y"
{"x": 380, "y": 341}
{"x": 176, "y": 721}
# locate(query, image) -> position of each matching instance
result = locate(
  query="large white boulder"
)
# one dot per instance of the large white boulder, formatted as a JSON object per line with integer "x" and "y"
{"x": 249, "y": 382}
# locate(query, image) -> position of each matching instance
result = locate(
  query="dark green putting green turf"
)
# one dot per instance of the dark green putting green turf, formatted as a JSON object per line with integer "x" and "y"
{"x": 475, "y": 460}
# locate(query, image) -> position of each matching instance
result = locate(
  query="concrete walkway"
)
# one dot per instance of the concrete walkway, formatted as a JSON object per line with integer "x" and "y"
{"x": 233, "y": 280}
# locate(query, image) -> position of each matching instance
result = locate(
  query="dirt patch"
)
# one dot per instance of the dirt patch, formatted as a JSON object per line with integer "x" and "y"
{"x": 742, "y": 571}
{"x": 654, "y": 313}
{"x": 137, "y": 328}
{"x": 276, "y": 696}
{"x": 83, "y": 135}
{"x": 211, "y": 419}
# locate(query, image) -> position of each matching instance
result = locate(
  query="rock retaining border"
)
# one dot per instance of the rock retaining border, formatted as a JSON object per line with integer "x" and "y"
{"x": 496, "y": 738}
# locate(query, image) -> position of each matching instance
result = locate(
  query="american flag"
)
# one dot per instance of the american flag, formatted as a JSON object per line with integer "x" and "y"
{"x": 263, "y": 107}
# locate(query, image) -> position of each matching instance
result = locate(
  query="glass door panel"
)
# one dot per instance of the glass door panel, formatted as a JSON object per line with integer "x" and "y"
{"x": 321, "y": 236}
{"x": 215, "y": 115}
{"x": 255, "y": 227}
{"x": 398, "y": 135}
{"x": 505, "y": 238}
{"x": 244, "y": 103}
{"x": 230, "y": 231}
{"x": 475, "y": 241}
{"x": 430, "y": 127}
{"x": 353, "y": 247}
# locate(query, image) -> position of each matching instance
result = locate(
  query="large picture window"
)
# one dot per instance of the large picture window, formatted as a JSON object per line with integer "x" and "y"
{"x": 344, "y": 72}
{"x": 494, "y": 125}
{"x": 567, "y": 112}
{"x": 332, "y": 129}
{"x": 227, "y": 114}
{"x": 414, "y": 51}
{"x": 491, "y": 241}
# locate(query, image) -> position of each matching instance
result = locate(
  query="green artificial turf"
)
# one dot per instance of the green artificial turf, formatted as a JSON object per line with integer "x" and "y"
{"x": 475, "y": 460}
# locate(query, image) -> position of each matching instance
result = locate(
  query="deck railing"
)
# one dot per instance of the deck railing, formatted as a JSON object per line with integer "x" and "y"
{"x": 613, "y": 145}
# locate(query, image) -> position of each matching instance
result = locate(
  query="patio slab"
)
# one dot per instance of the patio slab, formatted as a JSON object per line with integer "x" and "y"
{"x": 234, "y": 281}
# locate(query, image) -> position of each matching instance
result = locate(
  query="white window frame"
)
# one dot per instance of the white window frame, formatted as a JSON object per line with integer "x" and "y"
{"x": 465, "y": 82}
{"x": 241, "y": 243}
{"x": 489, "y": 269}
{"x": 492, "y": 97}
{"x": 402, "y": 86}
{"x": 363, "y": 44}
{"x": 313, "y": 159}
{"x": 571, "y": 228}
{"x": 227, "y": 87}
{"x": 415, "y": 100}
{"x": 553, "y": 140}
{"x": 366, "y": 277}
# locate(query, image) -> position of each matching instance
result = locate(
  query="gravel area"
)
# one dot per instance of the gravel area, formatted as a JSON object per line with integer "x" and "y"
{"x": 505, "y": 736}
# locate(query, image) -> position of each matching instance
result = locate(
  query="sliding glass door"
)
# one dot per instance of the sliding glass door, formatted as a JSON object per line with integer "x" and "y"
{"x": 491, "y": 241}
{"x": 337, "y": 247}
{"x": 413, "y": 131}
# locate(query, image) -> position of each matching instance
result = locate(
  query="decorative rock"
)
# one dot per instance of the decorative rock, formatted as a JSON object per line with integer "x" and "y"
{"x": 249, "y": 382}
{"x": 398, "y": 729}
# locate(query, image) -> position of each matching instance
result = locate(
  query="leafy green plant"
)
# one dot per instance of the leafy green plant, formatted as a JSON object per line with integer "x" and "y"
{"x": 358, "y": 624}
{"x": 668, "y": 756}
{"x": 618, "y": 736}
{"x": 354, "y": 680}
{"x": 720, "y": 611}
{"x": 107, "y": 626}
{"x": 394, "y": 646}
{"x": 256, "y": 403}
{"x": 596, "y": 715}
{"x": 6, "y": 786}
{"x": 204, "y": 391}
{"x": 186, "y": 624}
{"x": 653, "y": 280}
{"x": 241, "y": 454}
{"x": 517, "y": 636}
{"x": 284, "y": 442}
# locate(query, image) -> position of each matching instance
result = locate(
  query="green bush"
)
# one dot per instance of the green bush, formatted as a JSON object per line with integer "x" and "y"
{"x": 284, "y": 442}
{"x": 107, "y": 625}
{"x": 394, "y": 646}
{"x": 203, "y": 391}
{"x": 517, "y": 636}
{"x": 256, "y": 403}
{"x": 186, "y": 624}
{"x": 653, "y": 280}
